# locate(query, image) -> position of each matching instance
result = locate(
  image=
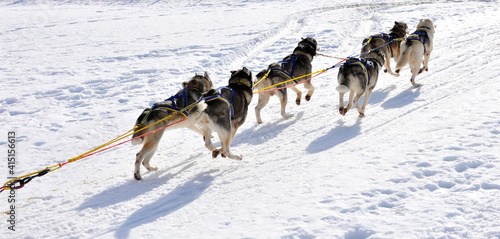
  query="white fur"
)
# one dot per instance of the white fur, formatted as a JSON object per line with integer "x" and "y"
{"x": 342, "y": 89}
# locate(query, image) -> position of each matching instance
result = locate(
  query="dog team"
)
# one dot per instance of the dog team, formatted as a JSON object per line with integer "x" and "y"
{"x": 224, "y": 109}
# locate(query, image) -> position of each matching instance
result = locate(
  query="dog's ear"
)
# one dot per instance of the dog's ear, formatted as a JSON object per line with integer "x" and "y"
{"x": 232, "y": 73}
{"x": 184, "y": 84}
{"x": 206, "y": 75}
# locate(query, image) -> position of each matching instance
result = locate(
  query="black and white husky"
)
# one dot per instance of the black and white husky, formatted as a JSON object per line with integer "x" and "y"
{"x": 226, "y": 111}
{"x": 293, "y": 66}
{"x": 358, "y": 76}
{"x": 417, "y": 45}
{"x": 171, "y": 107}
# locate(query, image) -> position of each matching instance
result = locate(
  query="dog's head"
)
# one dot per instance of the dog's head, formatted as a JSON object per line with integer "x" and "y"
{"x": 400, "y": 28}
{"x": 426, "y": 24}
{"x": 201, "y": 82}
{"x": 308, "y": 46}
{"x": 242, "y": 77}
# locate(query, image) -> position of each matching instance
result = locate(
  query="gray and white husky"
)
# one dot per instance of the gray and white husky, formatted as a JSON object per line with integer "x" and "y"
{"x": 191, "y": 93}
{"x": 391, "y": 50}
{"x": 417, "y": 45}
{"x": 358, "y": 76}
{"x": 295, "y": 65}
{"x": 226, "y": 111}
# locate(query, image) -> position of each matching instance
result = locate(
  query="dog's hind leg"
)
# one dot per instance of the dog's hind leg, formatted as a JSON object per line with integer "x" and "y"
{"x": 349, "y": 104}
{"x": 263, "y": 100}
{"x": 299, "y": 94}
{"x": 341, "y": 104}
{"x": 145, "y": 155}
{"x": 387, "y": 64}
{"x": 415, "y": 68}
{"x": 308, "y": 85}
{"x": 425, "y": 62}
{"x": 282, "y": 95}
{"x": 225, "y": 143}
{"x": 356, "y": 101}
{"x": 365, "y": 101}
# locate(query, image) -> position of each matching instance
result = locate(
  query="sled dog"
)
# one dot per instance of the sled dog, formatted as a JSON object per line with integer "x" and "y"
{"x": 391, "y": 50}
{"x": 191, "y": 93}
{"x": 295, "y": 65}
{"x": 358, "y": 76}
{"x": 226, "y": 111}
{"x": 417, "y": 45}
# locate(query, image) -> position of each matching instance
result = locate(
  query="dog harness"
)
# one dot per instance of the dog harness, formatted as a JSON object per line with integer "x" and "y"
{"x": 219, "y": 96}
{"x": 421, "y": 38}
{"x": 364, "y": 66}
{"x": 386, "y": 41}
{"x": 282, "y": 69}
{"x": 174, "y": 107}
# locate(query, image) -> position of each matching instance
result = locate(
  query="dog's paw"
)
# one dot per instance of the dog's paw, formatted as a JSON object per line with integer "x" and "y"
{"x": 385, "y": 70}
{"x": 397, "y": 71}
{"x": 416, "y": 85}
{"x": 342, "y": 111}
{"x": 287, "y": 116}
{"x": 361, "y": 115}
{"x": 237, "y": 157}
{"x": 215, "y": 153}
{"x": 137, "y": 176}
{"x": 308, "y": 97}
{"x": 297, "y": 101}
{"x": 394, "y": 74}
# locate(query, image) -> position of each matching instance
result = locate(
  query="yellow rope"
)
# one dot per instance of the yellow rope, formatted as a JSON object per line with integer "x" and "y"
{"x": 291, "y": 79}
{"x": 265, "y": 76}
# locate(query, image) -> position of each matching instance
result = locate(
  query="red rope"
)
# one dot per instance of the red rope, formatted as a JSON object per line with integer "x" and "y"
{"x": 110, "y": 147}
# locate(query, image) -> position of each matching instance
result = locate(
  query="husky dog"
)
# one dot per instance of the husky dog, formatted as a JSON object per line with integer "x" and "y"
{"x": 226, "y": 111}
{"x": 399, "y": 30}
{"x": 417, "y": 45}
{"x": 359, "y": 76}
{"x": 295, "y": 65}
{"x": 191, "y": 93}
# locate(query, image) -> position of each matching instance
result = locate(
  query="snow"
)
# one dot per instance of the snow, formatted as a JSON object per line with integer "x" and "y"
{"x": 423, "y": 163}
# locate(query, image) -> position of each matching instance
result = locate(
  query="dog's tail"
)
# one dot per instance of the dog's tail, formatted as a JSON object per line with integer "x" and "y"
{"x": 200, "y": 107}
{"x": 259, "y": 76}
{"x": 342, "y": 89}
{"x": 404, "y": 56}
{"x": 139, "y": 122}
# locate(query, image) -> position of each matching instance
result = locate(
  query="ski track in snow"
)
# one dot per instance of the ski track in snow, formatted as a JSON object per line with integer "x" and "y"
{"x": 422, "y": 164}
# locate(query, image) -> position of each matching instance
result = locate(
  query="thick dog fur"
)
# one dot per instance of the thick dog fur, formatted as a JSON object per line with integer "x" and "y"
{"x": 412, "y": 52}
{"x": 399, "y": 30}
{"x": 305, "y": 50}
{"x": 217, "y": 115}
{"x": 194, "y": 89}
{"x": 352, "y": 78}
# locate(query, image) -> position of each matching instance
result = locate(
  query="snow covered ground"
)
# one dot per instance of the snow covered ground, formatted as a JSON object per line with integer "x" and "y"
{"x": 423, "y": 163}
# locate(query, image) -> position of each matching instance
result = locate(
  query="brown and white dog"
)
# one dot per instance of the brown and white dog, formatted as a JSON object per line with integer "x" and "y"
{"x": 391, "y": 50}
{"x": 417, "y": 45}
{"x": 171, "y": 107}
{"x": 294, "y": 65}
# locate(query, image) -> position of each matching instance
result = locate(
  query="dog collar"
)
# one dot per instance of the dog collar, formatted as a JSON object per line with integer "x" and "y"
{"x": 242, "y": 82}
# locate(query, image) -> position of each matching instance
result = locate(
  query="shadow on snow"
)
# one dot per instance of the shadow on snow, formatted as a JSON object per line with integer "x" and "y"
{"x": 339, "y": 134}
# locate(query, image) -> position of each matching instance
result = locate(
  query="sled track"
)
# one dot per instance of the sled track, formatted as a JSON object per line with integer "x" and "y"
{"x": 296, "y": 20}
